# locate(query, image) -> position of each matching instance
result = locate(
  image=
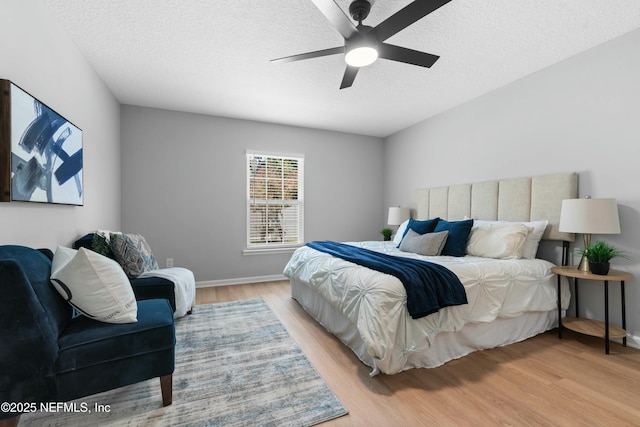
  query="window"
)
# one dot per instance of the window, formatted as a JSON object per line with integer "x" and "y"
{"x": 275, "y": 201}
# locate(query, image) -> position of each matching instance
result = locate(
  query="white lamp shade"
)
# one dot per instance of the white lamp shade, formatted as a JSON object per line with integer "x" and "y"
{"x": 589, "y": 216}
{"x": 398, "y": 215}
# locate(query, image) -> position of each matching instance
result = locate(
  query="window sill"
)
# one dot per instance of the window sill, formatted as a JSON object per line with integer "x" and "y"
{"x": 269, "y": 251}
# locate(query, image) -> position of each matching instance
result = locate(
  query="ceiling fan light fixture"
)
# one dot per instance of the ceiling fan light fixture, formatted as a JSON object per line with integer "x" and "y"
{"x": 361, "y": 56}
{"x": 363, "y": 44}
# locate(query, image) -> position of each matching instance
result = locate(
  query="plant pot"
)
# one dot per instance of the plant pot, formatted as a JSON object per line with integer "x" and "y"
{"x": 601, "y": 268}
{"x": 387, "y": 238}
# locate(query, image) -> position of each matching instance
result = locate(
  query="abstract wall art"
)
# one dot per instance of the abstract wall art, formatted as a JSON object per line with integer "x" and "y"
{"x": 41, "y": 150}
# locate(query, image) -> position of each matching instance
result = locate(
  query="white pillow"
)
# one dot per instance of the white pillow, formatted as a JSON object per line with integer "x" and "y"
{"x": 400, "y": 232}
{"x": 530, "y": 248}
{"x": 500, "y": 241}
{"x": 61, "y": 258}
{"x": 94, "y": 284}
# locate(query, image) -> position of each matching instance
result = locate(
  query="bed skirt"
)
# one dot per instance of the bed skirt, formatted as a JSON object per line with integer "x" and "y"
{"x": 445, "y": 347}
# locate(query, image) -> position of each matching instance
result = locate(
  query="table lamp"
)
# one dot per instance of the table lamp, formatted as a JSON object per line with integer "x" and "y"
{"x": 398, "y": 215}
{"x": 589, "y": 216}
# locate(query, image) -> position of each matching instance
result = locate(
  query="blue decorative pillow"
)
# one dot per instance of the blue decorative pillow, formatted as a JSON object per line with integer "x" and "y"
{"x": 458, "y": 236}
{"x": 420, "y": 227}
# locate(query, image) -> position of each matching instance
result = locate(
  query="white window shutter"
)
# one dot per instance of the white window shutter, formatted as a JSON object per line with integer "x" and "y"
{"x": 275, "y": 202}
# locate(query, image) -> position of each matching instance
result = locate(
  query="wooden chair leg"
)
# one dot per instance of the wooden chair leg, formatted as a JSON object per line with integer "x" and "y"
{"x": 166, "y": 385}
{"x": 10, "y": 422}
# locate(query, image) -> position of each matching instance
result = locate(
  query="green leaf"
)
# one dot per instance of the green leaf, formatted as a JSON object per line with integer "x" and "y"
{"x": 601, "y": 252}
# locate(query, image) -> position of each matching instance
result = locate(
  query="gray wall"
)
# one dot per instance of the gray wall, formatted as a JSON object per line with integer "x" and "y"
{"x": 184, "y": 188}
{"x": 580, "y": 115}
{"x": 38, "y": 56}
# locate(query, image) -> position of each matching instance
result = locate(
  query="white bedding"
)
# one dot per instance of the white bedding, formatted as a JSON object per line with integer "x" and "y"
{"x": 375, "y": 303}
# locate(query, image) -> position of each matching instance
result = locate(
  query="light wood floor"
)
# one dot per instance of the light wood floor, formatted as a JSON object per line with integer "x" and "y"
{"x": 542, "y": 381}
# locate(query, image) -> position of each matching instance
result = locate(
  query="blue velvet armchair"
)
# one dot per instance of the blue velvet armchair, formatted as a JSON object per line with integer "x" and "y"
{"x": 47, "y": 355}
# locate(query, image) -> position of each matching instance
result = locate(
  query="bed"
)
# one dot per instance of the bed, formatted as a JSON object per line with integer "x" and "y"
{"x": 509, "y": 300}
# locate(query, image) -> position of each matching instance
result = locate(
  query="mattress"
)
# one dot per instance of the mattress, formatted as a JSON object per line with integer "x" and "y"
{"x": 373, "y": 304}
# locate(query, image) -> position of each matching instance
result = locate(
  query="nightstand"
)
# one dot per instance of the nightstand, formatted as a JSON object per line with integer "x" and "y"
{"x": 589, "y": 326}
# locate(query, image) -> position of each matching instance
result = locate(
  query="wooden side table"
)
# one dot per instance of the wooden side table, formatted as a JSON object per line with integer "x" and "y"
{"x": 589, "y": 326}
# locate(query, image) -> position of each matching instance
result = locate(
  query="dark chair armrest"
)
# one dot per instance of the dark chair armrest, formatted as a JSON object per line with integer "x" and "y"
{"x": 47, "y": 252}
{"x": 154, "y": 287}
{"x": 28, "y": 345}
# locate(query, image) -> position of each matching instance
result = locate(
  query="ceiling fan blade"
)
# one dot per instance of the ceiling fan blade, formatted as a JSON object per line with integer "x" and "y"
{"x": 408, "y": 56}
{"x": 337, "y": 17}
{"x": 309, "y": 55}
{"x": 406, "y": 16}
{"x": 349, "y": 76}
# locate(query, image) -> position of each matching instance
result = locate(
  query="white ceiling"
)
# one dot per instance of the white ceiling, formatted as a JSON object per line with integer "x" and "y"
{"x": 212, "y": 56}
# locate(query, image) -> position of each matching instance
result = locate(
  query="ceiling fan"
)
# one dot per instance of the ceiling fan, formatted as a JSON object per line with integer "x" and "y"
{"x": 364, "y": 44}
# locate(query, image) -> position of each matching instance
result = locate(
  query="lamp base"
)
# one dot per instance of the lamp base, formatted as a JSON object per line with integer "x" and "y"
{"x": 584, "y": 265}
{"x": 584, "y": 262}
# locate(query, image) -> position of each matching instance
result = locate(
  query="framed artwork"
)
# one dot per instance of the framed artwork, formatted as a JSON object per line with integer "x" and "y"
{"x": 40, "y": 151}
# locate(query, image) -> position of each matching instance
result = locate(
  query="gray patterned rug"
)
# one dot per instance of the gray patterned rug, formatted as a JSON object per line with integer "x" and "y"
{"x": 236, "y": 365}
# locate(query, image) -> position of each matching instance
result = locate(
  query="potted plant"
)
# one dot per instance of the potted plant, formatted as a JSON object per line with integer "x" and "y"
{"x": 386, "y": 233}
{"x": 599, "y": 254}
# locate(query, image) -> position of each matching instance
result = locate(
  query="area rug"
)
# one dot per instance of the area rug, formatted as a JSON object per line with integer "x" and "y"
{"x": 236, "y": 365}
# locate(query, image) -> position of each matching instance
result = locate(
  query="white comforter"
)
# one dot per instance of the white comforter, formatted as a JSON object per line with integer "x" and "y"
{"x": 376, "y": 302}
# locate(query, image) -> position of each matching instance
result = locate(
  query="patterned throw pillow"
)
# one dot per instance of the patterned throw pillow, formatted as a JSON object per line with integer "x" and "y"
{"x": 133, "y": 253}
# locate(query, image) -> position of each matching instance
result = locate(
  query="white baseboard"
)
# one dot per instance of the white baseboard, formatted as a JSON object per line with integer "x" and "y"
{"x": 241, "y": 281}
{"x": 633, "y": 341}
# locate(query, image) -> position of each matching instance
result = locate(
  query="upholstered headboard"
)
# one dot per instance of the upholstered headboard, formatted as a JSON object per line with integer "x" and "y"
{"x": 519, "y": 199}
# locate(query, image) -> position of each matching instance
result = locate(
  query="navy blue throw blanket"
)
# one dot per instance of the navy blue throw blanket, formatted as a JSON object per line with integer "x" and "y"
{"x": 429, "y": 286}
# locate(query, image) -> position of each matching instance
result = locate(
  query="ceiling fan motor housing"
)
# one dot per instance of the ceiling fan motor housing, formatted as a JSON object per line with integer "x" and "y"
{"x": 359, "y": 10}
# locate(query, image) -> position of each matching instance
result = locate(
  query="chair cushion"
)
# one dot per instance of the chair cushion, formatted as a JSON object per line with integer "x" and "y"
{"x": 87, "y": 342}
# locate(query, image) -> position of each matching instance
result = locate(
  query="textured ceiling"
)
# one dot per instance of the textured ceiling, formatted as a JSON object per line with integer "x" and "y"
{"x": 212, "y": 56}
